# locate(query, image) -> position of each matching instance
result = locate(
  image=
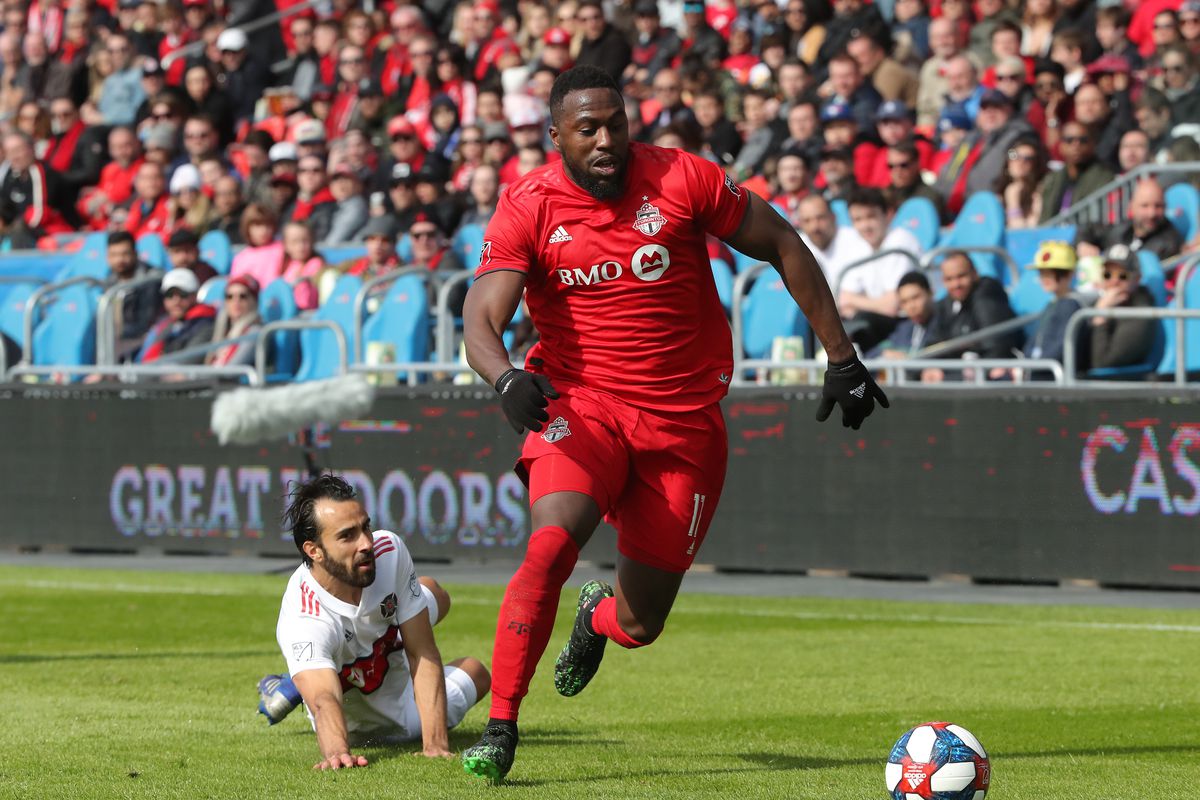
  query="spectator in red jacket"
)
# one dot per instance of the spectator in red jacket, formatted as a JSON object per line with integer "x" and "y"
{"x": 149, "y": 213}
{"x": 28, "y": 192}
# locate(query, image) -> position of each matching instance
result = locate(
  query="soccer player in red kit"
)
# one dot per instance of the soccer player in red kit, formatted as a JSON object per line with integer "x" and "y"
{"x": 608, "y": 246}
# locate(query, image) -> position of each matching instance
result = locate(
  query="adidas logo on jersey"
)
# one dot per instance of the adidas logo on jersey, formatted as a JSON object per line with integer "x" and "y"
{"x": 560, "y": 235}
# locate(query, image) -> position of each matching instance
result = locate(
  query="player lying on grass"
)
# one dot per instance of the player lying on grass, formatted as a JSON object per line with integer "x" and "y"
{"x": 356, "y": 630}
{"x": 607, "y": 246}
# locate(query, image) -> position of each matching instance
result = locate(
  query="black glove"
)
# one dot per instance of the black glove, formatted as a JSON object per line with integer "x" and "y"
{"x": 523, "y": 396}
{"x": 851, "y": 386}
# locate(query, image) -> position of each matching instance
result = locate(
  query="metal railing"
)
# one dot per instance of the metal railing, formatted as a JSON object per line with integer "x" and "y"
{"x": 36, "y": 299}
{"x": 360, "y": 302}
{"x": 896, "y": 371}
{"x": 110, "y": 309}
{"x": 444, "y": 320}
{"x": 866, "y": 262}
{"x": 126, "y": 373}
{"x": 260, "y": 347}
{"x": 1111, "y": 201}
{"x": 414, "y": 369}
{"x": 1070, "y": 357}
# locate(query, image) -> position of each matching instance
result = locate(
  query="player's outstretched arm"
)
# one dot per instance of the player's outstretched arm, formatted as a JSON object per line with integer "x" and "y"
{"x": 767, "y": 236}
{"x": 490, "y": 305}
{"x": 322, "y": 693}
{"x": 429, "y": 684}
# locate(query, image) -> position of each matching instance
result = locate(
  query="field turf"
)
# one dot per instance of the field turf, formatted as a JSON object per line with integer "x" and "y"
{"x": 141, "y": 685}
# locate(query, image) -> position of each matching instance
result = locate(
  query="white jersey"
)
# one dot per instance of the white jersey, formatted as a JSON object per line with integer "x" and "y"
{"x": 361, "y": 643}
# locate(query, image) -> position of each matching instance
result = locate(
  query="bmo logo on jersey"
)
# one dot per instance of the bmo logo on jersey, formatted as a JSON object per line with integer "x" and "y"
{"x": 649, "y": 263}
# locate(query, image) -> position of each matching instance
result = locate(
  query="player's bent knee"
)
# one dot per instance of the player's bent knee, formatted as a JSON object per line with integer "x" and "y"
{"x": 642, "y": 633}
{"x": 478, "y": 672}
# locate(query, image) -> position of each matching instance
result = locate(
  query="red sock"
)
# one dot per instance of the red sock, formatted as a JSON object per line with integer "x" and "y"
{"x": 527, "y": 616}
{"x": 604, "y": 622}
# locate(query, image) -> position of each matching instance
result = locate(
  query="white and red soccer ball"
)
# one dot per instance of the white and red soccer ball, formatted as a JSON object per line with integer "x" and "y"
{"x": 938, "y": 761}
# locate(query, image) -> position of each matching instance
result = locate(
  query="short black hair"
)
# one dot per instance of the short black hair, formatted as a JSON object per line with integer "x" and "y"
{"x": 866, "y": 196}
{"x": 915, "y": 278}
{"x": 578, "y": 79}
{"x": 300, "y": 515}
{"x": 907, "y": 148}
{"x": 121, "y": 237}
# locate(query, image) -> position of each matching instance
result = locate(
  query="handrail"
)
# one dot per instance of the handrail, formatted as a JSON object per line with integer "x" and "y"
{"x": 360, "y": 301}
{"x": 260, "y": 347}
{"x": 896, "y": 369}
{"x": 735, "y": 308}
{"x": 182, "y": 356}
{"x": 189, "y": 50}
{"x": 1180, "y": 313}
{"x": 927, "y": 259}
{"x": 106, "y": 333}
{"x": 22, "y": 279}
{"x": 950, "y": 345}
{"x": 123, "y": 371}
{"x": 866, "y": 262}
{"x": 444, "y": 330}
{"x": 35, "y": 300}
{"x": 1082, "y": 209}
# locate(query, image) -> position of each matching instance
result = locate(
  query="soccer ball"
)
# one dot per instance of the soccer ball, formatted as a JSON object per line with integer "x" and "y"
{"x": 938, "y": 761}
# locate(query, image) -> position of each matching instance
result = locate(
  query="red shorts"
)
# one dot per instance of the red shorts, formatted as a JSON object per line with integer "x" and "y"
{"x": 655, "y": 475}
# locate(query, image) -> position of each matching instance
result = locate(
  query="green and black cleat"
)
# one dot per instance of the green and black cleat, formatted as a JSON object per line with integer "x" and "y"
{"x": 579, "y": 660}
{"x": 492, "y": 757}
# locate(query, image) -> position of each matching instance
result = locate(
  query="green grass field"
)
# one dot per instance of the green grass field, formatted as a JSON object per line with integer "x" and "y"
{"x": 141, "y": 685}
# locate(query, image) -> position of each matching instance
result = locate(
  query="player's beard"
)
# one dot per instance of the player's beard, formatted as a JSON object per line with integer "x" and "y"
{"x": 351, "y": 575}
{"x": 599, "y": 188}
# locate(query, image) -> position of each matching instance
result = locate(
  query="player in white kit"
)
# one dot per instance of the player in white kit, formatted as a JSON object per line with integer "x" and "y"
{"x": 356, "y": 630}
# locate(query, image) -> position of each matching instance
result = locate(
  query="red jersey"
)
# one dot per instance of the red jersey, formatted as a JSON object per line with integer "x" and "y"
{"x": 622, "y": 291}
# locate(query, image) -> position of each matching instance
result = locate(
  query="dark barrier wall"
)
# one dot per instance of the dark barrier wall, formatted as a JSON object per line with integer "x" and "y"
{"x": 1010, "y": 488}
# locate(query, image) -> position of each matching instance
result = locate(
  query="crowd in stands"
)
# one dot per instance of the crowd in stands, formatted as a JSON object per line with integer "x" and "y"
{"x": 379, "y": 122}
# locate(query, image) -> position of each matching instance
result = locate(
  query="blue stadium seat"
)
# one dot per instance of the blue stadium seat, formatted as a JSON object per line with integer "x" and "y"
{"x": 12, "y": 312}
{"x": 278, "y": 302}
{"x": 1028, "y": 297}
{"x": 1023, "y": 243}
{"x": 318, "y": 351}
{"x": 980, "y": 223}
{"x": 91, "y": 259}
{"x": 1153, "y": 277}
{"x": 466, "y": 243}
{"x": 67, "y": 332}
{"x": 769, "y": 312}
{"x": 339, "y": 253}
{"x": 1183, "y": 209}
{"x": 841, "y": 212}
{"x": 216, "y": 251}
{"x": 723, "y": 277}
{"x": 1191, "y": 331}
{"x": 402, "y": 320}
{"x": 212, "y": 293}
{"x": 404, "y": 248}
{"x": 919, "y": 217}
{"x": 151, "y": 250}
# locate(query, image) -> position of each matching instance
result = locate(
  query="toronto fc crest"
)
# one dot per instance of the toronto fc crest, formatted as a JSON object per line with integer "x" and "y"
{"x": 649, "y": 221}
{"x": 388, "y": 607}
{"x": 556, "y": 430}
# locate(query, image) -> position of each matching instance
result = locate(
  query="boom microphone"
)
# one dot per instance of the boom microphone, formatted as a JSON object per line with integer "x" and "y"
{"x": 248, "y": 416}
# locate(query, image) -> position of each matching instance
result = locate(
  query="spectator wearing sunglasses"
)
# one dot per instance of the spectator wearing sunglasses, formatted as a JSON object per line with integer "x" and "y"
{"x": 185, "y": 322}
{"x": 1120, "y": 342}
{"x": 237, "y": 317}
{"x": 1081, "y": 175}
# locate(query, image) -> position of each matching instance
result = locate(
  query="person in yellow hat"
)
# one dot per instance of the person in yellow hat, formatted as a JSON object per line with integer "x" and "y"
{"x": 1055, "y": 263}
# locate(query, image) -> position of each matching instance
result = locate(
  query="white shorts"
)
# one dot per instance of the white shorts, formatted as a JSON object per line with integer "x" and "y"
{"x": 460, "y": 696}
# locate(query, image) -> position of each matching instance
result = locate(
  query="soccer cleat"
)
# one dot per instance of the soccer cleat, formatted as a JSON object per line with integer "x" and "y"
{"x": 579, "y": 660}
{"x": 277, "y": 696}
{"x": 492, "y": 757}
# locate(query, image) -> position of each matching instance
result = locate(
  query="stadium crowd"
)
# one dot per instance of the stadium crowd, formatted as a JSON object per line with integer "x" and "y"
{"x": 383, "y": 122}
